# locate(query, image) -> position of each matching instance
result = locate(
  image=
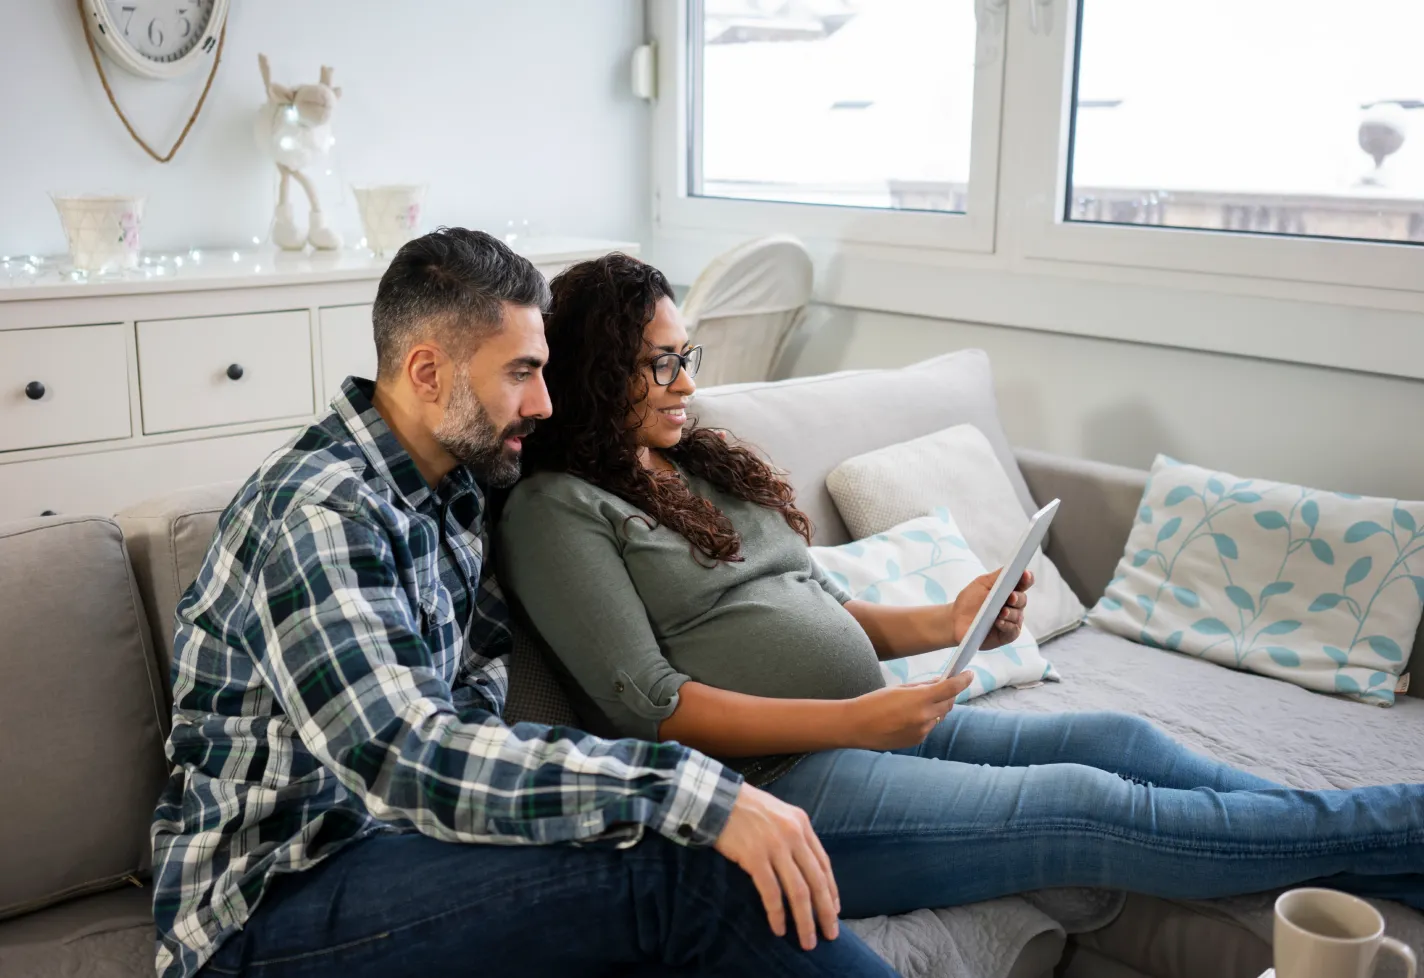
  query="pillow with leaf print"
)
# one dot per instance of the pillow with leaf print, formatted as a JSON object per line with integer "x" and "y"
{"x": 926, "y": 561}
{"x": 1321, "y": 589}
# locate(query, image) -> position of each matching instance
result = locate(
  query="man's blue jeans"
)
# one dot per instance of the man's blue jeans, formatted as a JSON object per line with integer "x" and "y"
{"x": 996, "y": 802}
{"x": 405, "y": 905}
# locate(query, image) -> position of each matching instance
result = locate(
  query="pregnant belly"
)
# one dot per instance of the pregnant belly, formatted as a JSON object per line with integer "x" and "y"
{"x": 794, "y": 642}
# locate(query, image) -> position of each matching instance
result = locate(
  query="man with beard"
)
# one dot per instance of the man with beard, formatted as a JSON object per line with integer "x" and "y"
{"x": 345, "y": 799}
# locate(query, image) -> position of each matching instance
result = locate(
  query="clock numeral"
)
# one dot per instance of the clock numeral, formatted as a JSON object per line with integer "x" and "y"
{"x": 155, "y": 33}
{"x": 187, "y": 24}
{"x": 129, "y": 11}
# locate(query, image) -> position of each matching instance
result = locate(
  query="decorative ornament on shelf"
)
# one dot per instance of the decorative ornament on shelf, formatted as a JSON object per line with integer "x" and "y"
{"x": 294, "y": 128}
{"x": 102, "y": 231}
{"x": 155, "y": 39}
{"x": 390, "y": 215}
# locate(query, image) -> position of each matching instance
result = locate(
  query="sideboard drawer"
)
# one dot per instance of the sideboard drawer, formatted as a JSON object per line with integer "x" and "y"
{"x": 217, "y": 370}
{"x": 63, "y": 385}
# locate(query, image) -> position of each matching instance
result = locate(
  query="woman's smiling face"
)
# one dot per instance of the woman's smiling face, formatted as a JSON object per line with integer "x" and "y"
{"x": 661, "y": 412}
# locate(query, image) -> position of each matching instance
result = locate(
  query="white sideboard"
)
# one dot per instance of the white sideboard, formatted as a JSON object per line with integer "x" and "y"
{"x": 116, "y": 390}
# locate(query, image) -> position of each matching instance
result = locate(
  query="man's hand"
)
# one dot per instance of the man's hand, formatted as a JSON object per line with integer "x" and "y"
{"x": 1009, "y": 624}
{"x": 775, "y": 844}
{"x": 903, "y": 716}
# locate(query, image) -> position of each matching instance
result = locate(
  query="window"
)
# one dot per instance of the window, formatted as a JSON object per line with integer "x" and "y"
{"x": 1145, "y": 141}
{"x": 853, "y": 103}
{"x": 866, "y": 121}
{"x": 1279, "y": 117}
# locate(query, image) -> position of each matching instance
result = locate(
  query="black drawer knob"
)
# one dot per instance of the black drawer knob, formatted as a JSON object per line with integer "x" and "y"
{"x": 49, "y": 512}
{"x": 234, "y": 371}
{"x": 34, "y": 390}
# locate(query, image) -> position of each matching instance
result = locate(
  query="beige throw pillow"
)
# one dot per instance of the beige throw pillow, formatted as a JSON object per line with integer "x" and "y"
{"x": 956, "y": 468}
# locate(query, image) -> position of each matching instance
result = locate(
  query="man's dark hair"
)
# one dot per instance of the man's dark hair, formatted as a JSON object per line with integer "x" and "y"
{"x": 449, "y": 285}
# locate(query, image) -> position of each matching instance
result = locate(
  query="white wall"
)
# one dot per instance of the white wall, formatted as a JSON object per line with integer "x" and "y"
{"x": 507, "y": 109}
{"x": 1124, "y": 402}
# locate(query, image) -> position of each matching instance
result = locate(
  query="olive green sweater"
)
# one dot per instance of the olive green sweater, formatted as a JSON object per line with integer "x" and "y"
{"x": 632, "y": 613}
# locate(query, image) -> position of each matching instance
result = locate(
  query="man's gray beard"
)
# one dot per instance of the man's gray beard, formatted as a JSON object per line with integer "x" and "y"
{"x": 469, "y": 435}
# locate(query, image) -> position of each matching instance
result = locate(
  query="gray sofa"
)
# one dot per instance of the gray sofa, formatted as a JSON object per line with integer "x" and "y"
{"x": 86, "y": 607}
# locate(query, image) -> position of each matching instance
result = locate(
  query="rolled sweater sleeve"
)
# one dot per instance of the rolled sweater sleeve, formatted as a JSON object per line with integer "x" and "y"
{"x": 819, "y": 575}
{"x": 563, "y": 562}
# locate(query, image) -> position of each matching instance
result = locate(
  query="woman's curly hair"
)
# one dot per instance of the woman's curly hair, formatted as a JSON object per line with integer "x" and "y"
{"x": 595, "y": 374}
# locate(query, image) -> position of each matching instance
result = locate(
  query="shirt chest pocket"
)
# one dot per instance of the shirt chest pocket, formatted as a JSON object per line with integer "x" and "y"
{"x": 437, "y": 610}
{"x": 436, "y": 605}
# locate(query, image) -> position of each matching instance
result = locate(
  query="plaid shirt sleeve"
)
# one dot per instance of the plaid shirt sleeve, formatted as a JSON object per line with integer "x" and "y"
{"x": 332, "y": 633}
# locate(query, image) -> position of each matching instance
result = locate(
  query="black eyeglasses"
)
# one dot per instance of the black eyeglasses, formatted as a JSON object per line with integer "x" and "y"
{"x": 666, "y": 366}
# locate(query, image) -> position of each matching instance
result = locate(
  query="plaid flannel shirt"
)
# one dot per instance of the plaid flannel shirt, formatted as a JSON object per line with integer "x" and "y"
{"x": 339, "y": 670}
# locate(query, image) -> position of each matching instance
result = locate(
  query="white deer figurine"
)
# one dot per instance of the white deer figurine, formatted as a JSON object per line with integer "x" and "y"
{"x": 294, "y": 128}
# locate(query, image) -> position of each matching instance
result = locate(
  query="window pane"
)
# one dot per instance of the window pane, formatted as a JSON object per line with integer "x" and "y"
{"x": 861, "y": 103}
{"x": 1300, "y": 117}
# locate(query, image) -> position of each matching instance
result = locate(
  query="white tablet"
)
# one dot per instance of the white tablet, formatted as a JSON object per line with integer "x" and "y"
{"x": 1029, "y": 543}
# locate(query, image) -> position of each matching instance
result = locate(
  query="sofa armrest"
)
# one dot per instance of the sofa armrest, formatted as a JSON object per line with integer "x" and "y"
{"x": 1100, "y": 502}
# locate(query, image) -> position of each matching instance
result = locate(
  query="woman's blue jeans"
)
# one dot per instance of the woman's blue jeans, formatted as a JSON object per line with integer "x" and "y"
{"x": 996, "y": 802}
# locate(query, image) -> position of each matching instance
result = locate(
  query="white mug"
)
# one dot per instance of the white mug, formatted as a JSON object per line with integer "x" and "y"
{"x": 1328, "y": 934}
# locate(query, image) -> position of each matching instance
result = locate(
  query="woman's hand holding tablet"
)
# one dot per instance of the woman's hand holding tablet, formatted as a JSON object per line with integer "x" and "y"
{"x": 1004, "y": 585}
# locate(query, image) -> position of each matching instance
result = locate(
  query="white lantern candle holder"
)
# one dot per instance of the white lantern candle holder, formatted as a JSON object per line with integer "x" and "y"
{"x": 390, "y": 214}
{"x": 103, "y": 231}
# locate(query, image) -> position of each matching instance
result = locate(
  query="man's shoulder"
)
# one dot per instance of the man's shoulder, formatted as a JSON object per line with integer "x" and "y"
{"x": 317, "y": 468}
{"x": 314, "y": 469}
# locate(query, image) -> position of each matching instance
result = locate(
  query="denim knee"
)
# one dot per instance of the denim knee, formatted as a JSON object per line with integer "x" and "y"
{"x": 1125, "y": 727}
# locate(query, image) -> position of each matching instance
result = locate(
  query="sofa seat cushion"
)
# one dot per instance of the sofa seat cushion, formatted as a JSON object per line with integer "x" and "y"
{"x": 80, "y": 713}
{"x": 1262, "y": 725}
{"x": 992, "y": 939}
{"x": 1168, "y": 939}
{"x": 109, "y": 935}
{"x": 1081, "y": 961}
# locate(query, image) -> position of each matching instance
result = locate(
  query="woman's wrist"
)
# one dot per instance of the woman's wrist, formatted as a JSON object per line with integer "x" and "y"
{"x": 948, "y": 623}
{"x": 847, "y": 722}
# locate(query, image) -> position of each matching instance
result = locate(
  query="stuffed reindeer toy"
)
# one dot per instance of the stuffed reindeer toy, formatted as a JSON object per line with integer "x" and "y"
{"x": 294, "y": 128}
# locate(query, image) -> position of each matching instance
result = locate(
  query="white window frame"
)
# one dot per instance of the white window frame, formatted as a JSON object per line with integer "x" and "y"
{"x": 1042, "y": 118}
{"x": 675, "y": 210}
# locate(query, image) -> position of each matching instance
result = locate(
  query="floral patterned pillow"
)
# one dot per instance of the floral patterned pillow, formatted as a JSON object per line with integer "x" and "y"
{"x": 1321, "y": 589}
{"x": 926, "y": 561}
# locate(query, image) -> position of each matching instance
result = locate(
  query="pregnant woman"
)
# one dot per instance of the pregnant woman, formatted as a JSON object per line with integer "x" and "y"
{"x": 667, "y": 567}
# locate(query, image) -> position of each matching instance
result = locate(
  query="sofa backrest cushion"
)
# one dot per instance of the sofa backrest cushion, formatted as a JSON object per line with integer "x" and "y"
{"x": 81, "y": 713}
{"x": 168, "y": 538}
{"x": 807, "y": 426}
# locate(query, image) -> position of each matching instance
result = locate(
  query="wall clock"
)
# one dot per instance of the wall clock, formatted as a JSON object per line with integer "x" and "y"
{"x": 156, "y": 39}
